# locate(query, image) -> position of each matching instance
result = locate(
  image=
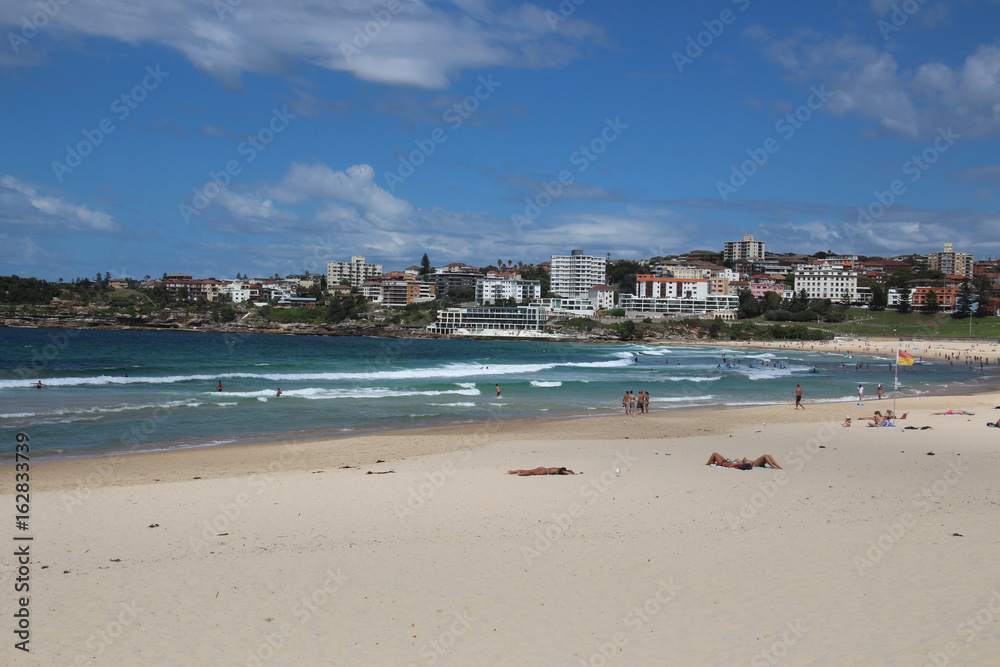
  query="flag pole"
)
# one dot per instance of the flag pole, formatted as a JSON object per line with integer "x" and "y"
{"x": 895, "y": 383}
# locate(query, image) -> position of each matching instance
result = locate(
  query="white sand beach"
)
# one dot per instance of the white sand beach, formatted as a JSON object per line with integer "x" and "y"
{"x": 873, "y": 546}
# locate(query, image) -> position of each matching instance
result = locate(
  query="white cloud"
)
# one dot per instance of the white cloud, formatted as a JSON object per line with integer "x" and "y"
{"x": 355, "y": 185}
{"x": 869, "y": 82}
{"x": 22, "y": 205}
{"x": 422, "y": 45}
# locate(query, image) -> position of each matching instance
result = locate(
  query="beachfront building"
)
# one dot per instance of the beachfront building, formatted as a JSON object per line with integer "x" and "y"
{"x": 404, "y": 292}
{"x": 601, "y": 297}
{"x": 950, "y": 262}
{"x": 502, "y": 286}
{"x": 680, "y": 271}
{"x": 827, "y": 281}
{"x": 481, "y": 320}
{"x": 559, "y": 308}
{"x": 641, "y": 306}
{"x": 762, "y": 283}
{"x": 657, "y": 287}
{"x": 573, "y": 275}
{"x": 240, "y": 291}
{"x": 745, "y": 249}
{"x": 354, "y": 272}
{"x": 948, "y": 296}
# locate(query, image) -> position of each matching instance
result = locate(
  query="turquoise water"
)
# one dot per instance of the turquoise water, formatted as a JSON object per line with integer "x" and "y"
{"x": 109, "y": 391}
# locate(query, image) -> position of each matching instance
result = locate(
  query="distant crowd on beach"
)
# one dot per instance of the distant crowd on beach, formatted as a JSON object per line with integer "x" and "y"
{"x": 636, "y": 404}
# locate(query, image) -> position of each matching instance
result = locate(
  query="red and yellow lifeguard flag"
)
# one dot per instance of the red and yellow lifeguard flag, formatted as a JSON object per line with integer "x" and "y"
{"x": 903, "y": 358}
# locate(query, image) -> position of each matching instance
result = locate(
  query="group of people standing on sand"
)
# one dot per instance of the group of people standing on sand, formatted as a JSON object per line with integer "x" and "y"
{"x": 636, "y": 404}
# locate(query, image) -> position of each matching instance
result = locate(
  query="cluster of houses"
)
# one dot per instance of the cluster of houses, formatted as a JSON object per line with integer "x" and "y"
{"x": 693, "y": 284}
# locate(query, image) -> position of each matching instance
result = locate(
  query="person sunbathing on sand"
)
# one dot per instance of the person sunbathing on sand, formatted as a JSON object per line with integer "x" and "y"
{"x": 877, "y": 420}
{"x": 743, "y": 464}
{"x": 890, "y": 415}
{"x": 541, "y": 471}
{"x": 953, "y": 412}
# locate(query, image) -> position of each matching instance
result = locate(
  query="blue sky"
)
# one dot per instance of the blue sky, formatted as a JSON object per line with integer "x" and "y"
{"x": 268, "y": 137}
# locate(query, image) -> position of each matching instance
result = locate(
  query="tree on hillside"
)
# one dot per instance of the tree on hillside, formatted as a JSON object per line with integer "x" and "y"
{"x": 984, "y": 294}
{"x": 425, "y": 265}
{"x": 966, "y": 299}
{"x": 932, "y": 305}
{"x": 880, "y": 299}
{"x": 904, "y": 300}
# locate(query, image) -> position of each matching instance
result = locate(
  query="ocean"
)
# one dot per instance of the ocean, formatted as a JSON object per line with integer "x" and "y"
{"x": 112, "y": 391}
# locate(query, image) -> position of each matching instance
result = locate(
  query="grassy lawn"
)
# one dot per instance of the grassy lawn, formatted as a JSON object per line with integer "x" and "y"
{"x": 863, "y": 322}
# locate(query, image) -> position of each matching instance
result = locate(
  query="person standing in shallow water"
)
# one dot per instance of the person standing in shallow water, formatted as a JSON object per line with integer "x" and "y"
{"x": 798, "y": 397}
{"x": 498, "y": 391}
{"x": 218, "y": 387}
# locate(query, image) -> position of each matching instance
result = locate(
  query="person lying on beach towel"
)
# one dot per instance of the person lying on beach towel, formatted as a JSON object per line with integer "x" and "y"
{"x": 890, "y": 415}
{"x": 541, "y": 471}
{"x": 953, "y": 412}
{"x": 878, "y": 420}
{"x": 743, "y": 464}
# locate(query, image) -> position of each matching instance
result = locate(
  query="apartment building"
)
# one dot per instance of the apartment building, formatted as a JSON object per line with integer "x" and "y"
{"x": 951, "y": 263}
{"x": 354, "y": 272}
{"x": 656, "y": 287}
{"x": 573, "y": 275}
{"x": 827, "y": 281}
{"x": 745, "y": 249}
{"x": 500, "y": 286}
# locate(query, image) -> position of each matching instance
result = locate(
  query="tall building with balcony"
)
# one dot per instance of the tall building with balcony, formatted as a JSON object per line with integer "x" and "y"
{"x": 354, "y": 272}
{"x": 573, "y": 275}
{"x": 747, "y": 249}
{"x": 950, "y": 263}
{"x": 827, "y": 281}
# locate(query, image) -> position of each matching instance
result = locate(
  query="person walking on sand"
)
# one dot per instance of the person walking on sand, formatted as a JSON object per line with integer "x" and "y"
{"x": 798, "y": 397}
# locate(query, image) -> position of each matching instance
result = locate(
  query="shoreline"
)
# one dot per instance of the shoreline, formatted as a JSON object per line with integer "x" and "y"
{"x": 291, "y": 552}
{"x": 979, "y": 387}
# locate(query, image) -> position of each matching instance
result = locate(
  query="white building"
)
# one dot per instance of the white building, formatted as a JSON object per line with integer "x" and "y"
{"x": 827, "y": 281}
{"x": 239, "y": 291}
{"x": 354, "y": 272}
{"x": 711, "y": 304}
{"x": 495, "y": 287}
{"x": 745, "y": 249}
{"x": 602, "y": 297}
{"x": 559, "y": 307}
{"x": 679, "y": 288}
{"x": 573, "y": 275}
{"x": 486, "y": 319}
